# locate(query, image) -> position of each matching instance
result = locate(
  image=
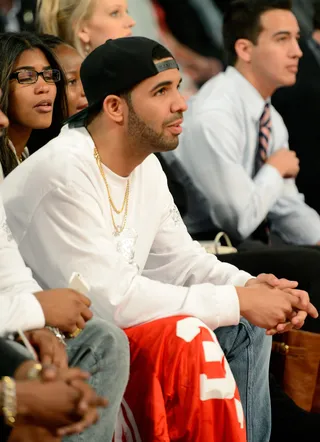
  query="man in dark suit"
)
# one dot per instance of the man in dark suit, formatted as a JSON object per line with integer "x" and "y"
{"x": 17, "y": 15}
{"x": 300, "y": 108}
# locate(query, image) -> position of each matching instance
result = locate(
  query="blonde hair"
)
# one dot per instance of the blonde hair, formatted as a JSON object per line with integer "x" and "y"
{"x": 63, "y": 19}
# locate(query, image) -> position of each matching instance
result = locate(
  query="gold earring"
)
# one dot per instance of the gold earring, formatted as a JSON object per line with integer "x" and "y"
{"x": 87, "y": 49}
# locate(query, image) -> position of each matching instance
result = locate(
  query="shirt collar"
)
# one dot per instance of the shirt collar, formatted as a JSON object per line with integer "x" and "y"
{"x": 25, "y": 154}
{"x": 254, "y": 101}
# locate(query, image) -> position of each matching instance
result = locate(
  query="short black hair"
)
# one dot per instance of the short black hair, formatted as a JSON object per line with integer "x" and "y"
{"x": 242, "y": 20}
{"x": 316, "y": 16}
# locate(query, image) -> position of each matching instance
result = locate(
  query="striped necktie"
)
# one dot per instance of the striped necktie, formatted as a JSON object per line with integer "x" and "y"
{"x": 262, "y": 233}
{"x": 265, "y": 129}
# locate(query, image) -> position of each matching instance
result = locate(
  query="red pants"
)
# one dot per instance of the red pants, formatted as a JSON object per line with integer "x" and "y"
{"x": 180, "y": 388}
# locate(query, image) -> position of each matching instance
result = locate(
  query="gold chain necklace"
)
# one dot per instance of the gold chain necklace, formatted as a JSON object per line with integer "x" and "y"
{"x": 118, "y": 229}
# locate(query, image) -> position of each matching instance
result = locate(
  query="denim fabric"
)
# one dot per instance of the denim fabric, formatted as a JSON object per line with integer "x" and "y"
{"x": 248, "y": 349}
{"x": 103, "y": 349}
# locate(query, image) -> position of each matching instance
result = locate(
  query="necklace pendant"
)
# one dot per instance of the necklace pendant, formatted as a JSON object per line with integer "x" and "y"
{"x": 117, "y": 232}
{"x": 126, "y": 243}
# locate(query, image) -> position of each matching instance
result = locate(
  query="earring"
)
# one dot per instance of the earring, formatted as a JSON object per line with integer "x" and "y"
{"x": 87, "y": 49}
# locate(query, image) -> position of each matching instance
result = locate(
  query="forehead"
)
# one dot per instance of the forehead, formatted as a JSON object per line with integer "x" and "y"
{"x": 170, "y": 75}
{"x": 31, "y": 57}
{"x": 69, "y": 58}
{"x": 111, "y": 3}
{"x": 279, "y": 20}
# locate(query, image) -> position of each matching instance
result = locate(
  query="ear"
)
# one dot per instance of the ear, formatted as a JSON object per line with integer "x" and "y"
{"x": 243, "y": 48}
{"x": 113, "y": 106}
{"x": 84, "y": 33}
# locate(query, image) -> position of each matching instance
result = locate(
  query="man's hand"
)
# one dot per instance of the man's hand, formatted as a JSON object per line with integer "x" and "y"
{"x": 272, "y": 281}
{"x": 87, "y": 407}
{"x": 297, "y": 318}
{"x": 88, "y": 402}
{"x": 24, "y": 432}
{"x": 63, "y": 407}
{"x": 269, "y": 307}
{"x": 65, "y": 309}
{"x": 286, "y": 162}
{"x": 51, "y": 373}
{"x": 50, "y": 350}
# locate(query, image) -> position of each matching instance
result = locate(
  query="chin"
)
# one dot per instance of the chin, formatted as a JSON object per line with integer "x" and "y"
{"x": 42, "y": 125}
{"x": 290, "y": 81}
{"x": 168, "y": 147}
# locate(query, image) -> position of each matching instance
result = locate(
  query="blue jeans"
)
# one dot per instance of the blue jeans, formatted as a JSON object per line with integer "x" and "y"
{"x": 248, "y": 349}
{"x": 103, "y": 349}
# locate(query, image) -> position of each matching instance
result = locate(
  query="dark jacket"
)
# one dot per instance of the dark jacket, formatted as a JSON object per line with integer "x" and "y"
{"x": 299, "y": 106}
{"x": 10, "y": 357}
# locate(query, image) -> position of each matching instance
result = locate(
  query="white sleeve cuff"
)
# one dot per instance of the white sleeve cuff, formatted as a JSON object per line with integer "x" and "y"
{"x": 241, "y": 278}
{"x": 229, "y": 308}
{"x": 36, "y": 318}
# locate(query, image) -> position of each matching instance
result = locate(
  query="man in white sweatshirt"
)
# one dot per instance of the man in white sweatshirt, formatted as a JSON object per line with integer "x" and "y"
{"x": 101, "y": 348}
{"x": 95, "y": 199}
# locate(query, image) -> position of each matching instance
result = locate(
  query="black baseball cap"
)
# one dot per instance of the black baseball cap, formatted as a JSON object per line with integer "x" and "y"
{"x": 117, "y": 66}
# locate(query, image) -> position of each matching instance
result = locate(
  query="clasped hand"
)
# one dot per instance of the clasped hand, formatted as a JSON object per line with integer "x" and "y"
{"x": 290, "y": 306}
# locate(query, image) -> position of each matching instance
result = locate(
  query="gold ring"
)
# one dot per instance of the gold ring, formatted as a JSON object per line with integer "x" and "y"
{"x": 75, "y": 333}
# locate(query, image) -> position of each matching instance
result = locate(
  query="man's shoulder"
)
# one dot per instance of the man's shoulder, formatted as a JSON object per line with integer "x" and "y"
{"x": 72, "y": 147}
{"x": 219, "y": 95}
{"x": 52, "y": 166}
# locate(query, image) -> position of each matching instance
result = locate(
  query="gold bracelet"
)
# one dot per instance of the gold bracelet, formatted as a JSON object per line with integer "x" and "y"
{"x": 9, "y": 405}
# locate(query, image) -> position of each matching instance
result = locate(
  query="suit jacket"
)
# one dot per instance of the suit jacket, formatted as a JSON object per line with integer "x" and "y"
{"x": 300, "y": 108}
{"x": 26, "y": 16}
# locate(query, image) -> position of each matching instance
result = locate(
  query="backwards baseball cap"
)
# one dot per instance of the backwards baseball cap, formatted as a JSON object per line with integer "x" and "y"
{"x": 117, "y": 66}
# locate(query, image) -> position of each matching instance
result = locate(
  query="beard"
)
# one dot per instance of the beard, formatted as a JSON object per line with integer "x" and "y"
{"x": 146, "y": 138}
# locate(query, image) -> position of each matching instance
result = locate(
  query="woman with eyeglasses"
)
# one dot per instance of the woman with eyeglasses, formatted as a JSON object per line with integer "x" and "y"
{"x": 33, "y": 97}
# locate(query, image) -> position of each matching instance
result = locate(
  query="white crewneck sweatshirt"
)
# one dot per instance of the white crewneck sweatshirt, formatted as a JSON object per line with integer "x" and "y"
{"x": 58, "y": 210}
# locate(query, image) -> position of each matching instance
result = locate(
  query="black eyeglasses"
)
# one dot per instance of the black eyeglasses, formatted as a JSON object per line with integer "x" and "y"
{"x": 30, "y": 76}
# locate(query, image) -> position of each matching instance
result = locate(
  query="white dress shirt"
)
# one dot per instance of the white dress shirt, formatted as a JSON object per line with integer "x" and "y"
{"x": 61, "y": 221}
{"x": 218, "y": 148}
{"x": 18, "y": 306}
